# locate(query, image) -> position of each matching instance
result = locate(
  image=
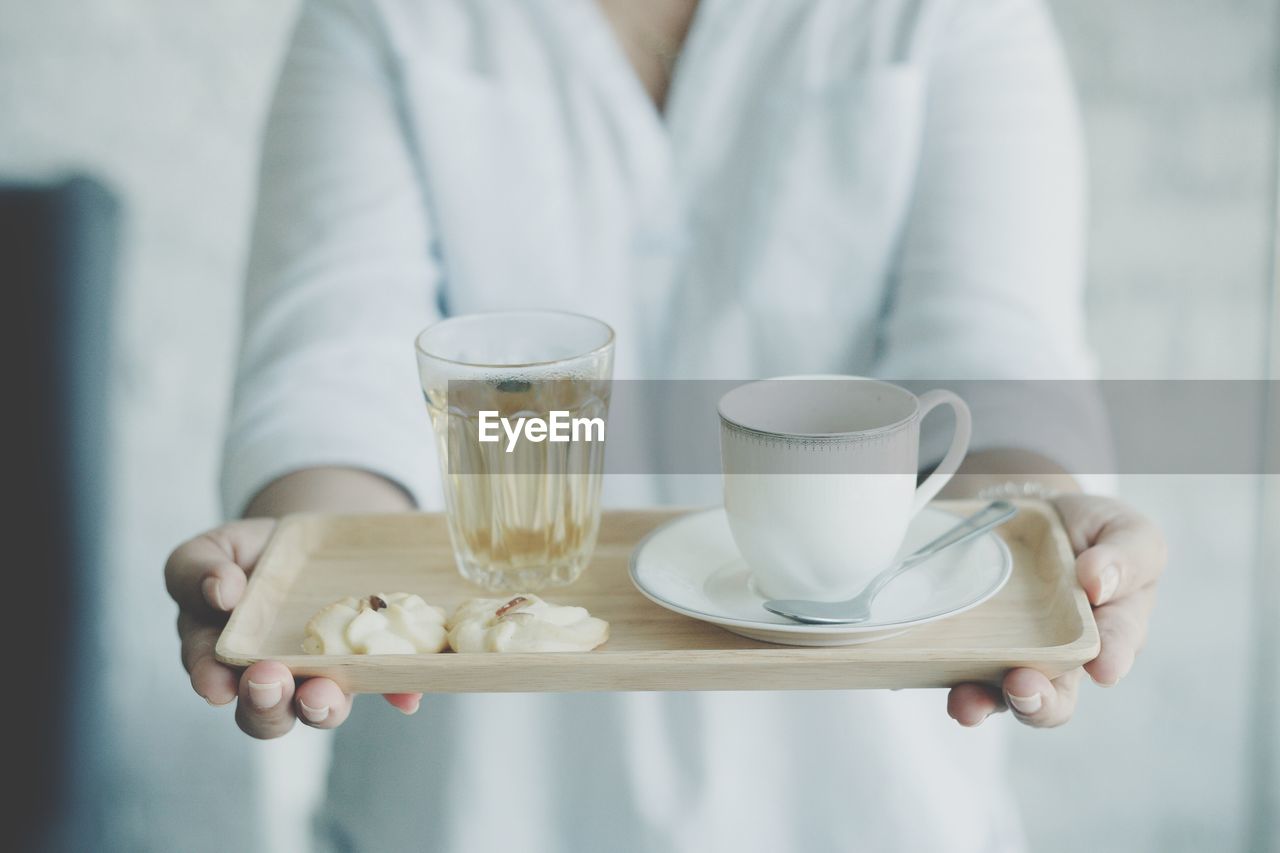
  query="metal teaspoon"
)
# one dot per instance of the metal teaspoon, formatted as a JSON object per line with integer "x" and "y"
{"x": 858, "y": 608}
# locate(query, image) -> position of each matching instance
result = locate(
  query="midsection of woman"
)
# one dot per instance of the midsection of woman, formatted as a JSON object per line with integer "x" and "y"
{"x": 832, "y": 186}
{"x": 765, "y": 198}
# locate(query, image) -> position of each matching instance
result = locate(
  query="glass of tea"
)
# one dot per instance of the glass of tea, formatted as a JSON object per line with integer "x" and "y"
{"x": 519, "y": 402}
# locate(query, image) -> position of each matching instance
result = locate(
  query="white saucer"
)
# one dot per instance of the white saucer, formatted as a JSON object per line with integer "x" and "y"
{"x": 691, "y": 566}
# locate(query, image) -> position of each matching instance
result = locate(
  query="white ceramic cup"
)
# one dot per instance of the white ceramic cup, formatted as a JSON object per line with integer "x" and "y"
{"x": 820, "y": 478}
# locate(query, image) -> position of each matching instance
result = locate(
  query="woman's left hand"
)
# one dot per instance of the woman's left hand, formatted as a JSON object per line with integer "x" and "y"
{"x": 1120, "y": 555}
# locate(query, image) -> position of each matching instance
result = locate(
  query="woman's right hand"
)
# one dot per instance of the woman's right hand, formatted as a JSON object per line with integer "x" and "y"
{"x": 206, "y": 577}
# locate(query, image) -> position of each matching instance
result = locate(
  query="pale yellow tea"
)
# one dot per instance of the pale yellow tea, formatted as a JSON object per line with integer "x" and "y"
{"x": 518, "y": 401}
{"x": 523, "y": 514}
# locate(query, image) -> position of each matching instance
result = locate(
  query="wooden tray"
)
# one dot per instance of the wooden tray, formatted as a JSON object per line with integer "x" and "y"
{"x": 1041, "y": 619}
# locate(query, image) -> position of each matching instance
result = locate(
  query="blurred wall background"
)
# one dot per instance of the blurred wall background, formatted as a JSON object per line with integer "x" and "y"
{"x": 164, "y": 101}
{"x": 1180, "y": 107}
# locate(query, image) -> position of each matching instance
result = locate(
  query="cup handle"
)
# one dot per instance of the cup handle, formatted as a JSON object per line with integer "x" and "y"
{"x": 933, "y": 484}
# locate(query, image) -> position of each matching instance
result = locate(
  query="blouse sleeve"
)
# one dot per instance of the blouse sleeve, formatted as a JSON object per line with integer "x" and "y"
{"x": 341, "y": 275}
{"x": 988, "y": 283}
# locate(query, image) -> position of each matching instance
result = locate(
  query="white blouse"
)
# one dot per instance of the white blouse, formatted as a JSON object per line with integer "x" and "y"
{"x": 876, "y": 187}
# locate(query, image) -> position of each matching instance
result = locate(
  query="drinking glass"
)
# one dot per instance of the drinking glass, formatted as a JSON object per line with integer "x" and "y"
{"x": 523, "y": 513}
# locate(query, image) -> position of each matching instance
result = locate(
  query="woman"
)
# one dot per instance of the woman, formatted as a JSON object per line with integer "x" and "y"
{"x": 819, "y": 186}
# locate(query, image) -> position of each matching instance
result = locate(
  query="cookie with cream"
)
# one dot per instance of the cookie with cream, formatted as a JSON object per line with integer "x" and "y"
{"x": 523, "y": 623}
{"x": 397, "y": 623}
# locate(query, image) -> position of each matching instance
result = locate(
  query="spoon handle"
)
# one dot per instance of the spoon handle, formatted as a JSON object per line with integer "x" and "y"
{"x": 991, "y": 515}
{"x": 858, "y": 608}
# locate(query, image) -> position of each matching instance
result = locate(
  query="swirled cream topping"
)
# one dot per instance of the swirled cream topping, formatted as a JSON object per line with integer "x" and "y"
{"x": 397, "y": 623}
{"x": 523, "y": 623}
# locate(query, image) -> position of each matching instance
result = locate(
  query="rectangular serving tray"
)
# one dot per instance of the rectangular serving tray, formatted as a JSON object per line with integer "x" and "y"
{"x": 1041, "y": 619}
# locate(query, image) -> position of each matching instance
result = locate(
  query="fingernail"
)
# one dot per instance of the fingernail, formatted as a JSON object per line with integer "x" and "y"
{"x": 1025, "y": 704}
{"x": 213, "y": 592}
{"x": 409, "y": 712}
{"x": 313, "y": 715}
{"x": 1110, "y": 580}
{"x": 265, "y": 696}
